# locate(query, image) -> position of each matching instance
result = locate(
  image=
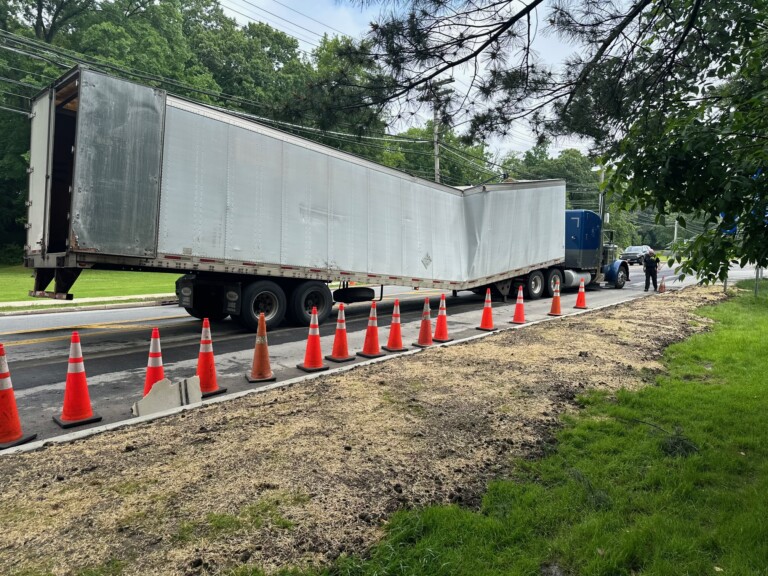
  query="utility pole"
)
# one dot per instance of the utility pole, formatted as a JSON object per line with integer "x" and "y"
{"x": 436, "y": 138}
{"x": 436, "y": 95}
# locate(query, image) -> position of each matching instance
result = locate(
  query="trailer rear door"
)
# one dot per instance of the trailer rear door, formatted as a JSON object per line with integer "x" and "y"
{"x": 39, "y": 169}
{"x": 118, "y": 154}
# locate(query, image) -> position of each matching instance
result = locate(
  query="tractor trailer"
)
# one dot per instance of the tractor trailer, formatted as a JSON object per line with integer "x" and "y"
{"x": 126, "y": 176}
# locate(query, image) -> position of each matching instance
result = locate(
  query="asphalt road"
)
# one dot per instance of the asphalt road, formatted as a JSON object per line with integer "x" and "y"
{"x": 116, "y": 343}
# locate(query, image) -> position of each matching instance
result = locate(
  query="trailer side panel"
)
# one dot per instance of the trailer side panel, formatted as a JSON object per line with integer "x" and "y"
{"x": 514, "y": 226}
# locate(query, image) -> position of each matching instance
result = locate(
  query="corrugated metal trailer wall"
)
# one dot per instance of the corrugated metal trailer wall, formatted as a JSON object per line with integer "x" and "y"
{"x": 236, "y": 190}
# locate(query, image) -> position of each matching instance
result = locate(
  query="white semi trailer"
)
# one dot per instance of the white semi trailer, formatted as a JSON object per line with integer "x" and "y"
{"x": 125, "y": 176}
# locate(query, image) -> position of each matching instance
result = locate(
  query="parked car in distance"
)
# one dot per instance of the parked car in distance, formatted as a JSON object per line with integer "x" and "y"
{"x": 635, "y": 254}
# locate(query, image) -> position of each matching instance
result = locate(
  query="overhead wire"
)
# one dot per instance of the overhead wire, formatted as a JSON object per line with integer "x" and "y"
{"x": 281, "y": 18}
{"x": 6, "y": 67}
{"x": 254, "y": 18}
{"x": 128, "y": 71}
{"x": 16, "y": 110}
{"x": 310, "y": 18}
{"x": 468, "y": 162}
{"x": 15, "y": 95}
{"x": 18, "y": 83}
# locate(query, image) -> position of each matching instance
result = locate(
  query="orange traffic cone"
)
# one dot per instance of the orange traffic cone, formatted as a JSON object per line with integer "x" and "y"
{"x": 260, "y": 370}
{"x": 581, "y": 299}
{"x": 77, "y": 403}
{"x": 486, "y": 322}
{"x": 395, "y": 341}
{"x": 206, "y": 366}
{"x": 340, "y": 352}
{"x": 313, "y": 357}
{"x": 441, "y": 326}
{"x": 662, "y": 286}
{"x": 155, "y": 371}
{"x": 425, "y": 332}
{"x": 371, "y": 347}
{"x": 10, "y": 425}
{"x": 555, "y": 310}
{"x": 519, "y": 317}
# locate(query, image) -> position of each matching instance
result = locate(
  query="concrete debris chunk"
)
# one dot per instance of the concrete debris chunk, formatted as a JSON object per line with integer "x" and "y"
{"x": 166, "y": 395}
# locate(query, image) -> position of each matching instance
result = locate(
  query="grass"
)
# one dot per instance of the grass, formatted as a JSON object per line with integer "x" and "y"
{"x": 252, "y": 516}
{"x": 16, "y": 281}
{"x": 668, "y": 480}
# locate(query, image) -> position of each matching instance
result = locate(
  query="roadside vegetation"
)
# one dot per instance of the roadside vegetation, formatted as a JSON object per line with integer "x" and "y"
{"x": 668, "y": 480}
{"x": 17, "y": 281}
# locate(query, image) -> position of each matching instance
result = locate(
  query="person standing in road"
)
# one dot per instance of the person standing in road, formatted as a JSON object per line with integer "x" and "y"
{"x": 651, "y": 265}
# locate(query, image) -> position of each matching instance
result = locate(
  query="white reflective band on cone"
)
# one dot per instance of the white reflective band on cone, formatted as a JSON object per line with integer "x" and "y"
{"x": 155, "y": 362}
{"x": 75, "y": 351}
{"x": 5, "y": 374}
{"x": 75, "y": 366}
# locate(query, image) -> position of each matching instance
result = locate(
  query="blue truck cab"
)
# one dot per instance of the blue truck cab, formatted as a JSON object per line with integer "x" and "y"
{"x": 586, "y": 252}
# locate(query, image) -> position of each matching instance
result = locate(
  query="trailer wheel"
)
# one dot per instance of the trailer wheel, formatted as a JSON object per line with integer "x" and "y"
{"x": 304, "y": 297}
{"x": 554, "y": 276}
{"x": 262, "y": 296}
{"x": 534, "y": 285}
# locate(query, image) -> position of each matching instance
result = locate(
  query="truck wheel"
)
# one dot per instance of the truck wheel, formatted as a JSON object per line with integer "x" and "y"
{"x": 554, "y": 276}
{"x": 262, "y": 296}
{"x": 304, "y": 297}
{"x": 206, "y": 312}
{"x": 621, "y": 278}
{"x": 534, "y": 286}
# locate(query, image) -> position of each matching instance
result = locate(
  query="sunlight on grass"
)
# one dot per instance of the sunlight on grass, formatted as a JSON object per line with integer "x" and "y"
{"x": 16, "y": 281}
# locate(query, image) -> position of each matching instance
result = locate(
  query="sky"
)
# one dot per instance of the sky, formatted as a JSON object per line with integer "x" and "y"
{"x": 308, "y": 20}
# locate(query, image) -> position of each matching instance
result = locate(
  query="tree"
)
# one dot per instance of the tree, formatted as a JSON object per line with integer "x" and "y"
{"x": 648, "y": 74}
{"x": 48, "y": 17}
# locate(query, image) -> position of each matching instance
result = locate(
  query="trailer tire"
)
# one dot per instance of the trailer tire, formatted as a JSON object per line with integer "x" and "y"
{"x": 534, "y": 285}
{"x": 262, "y": 296}
{"x": 306, "y": 295}
{"x": 553, "y": 277}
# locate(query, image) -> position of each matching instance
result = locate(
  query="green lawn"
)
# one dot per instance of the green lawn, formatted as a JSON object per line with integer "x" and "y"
{"x": 671, "y": 480}
{"x": 16, "y": 281}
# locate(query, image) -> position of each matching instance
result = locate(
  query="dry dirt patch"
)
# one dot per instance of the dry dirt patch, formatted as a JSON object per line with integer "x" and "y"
{"x": 301, "y": 475}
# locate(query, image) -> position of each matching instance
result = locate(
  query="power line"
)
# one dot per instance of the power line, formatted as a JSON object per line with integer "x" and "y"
{"x": 18, "y": 83}
{"x": 127, "y": 71}
{"x": 5, "y": 66}
{"x": 310, "y": 18}
{"x": 254, "y": 18}
{"x": 467, "y": 161}
{"x": 16, "y": 110}
{"x": 14, "y": 94}
{"x": 281, "y": 18}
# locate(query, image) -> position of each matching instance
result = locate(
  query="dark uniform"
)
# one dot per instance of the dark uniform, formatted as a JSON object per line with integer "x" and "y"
{"x": 650, "y": 265}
